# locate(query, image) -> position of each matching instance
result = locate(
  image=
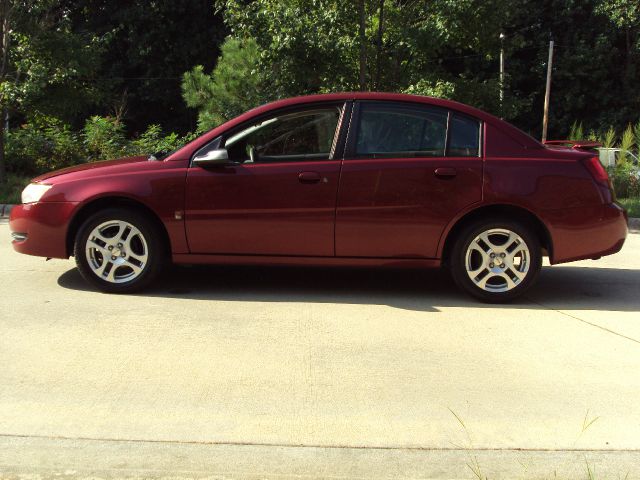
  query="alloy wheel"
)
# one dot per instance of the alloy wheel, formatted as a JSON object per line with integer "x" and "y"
{"x": 497, "y": 260}
{"x": 116, "y": 251}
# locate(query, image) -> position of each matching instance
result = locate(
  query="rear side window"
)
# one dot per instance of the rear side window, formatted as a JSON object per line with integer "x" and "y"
{"x": 464, "y": 137}
{"x": 390, "y": 130}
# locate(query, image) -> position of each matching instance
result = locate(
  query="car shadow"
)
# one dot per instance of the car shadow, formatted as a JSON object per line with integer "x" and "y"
{"x": 559, "y": 287}
{"x": 582, "y": 288}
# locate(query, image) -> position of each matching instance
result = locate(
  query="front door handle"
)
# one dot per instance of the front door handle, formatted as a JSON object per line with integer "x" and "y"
{"x": 445, "y": 172}
{"x": 309, "y": 177}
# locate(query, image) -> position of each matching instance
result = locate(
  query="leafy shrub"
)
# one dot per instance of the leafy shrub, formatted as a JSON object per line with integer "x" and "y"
{"x": 104, "y": 138}
{"x": 632, "y": 205}
{"x": 463, "y": 90}
{"x": 625, "y": 180}
{"x": 11, "y": 189}
{"x": 484, "y": 95}
{"x": 624, "y": 175}
{"x": 153, "y": 142}
{"x": 45, "y": 143}
{"x": 24, "y": 146}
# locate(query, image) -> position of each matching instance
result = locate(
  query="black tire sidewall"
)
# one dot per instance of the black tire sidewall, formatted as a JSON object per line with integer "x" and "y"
{"x": 156, "y": 255}
{"x": 457, "y": 261}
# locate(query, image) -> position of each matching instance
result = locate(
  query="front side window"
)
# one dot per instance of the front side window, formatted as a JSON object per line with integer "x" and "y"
{"x": 291, "y": 137}
{"x": 386, "y": 131}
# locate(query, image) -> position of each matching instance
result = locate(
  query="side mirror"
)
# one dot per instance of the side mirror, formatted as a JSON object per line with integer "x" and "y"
{"x": 212, "y": 157}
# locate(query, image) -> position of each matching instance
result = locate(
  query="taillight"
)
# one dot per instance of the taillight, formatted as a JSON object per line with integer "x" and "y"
{"x": 597, "y": 171}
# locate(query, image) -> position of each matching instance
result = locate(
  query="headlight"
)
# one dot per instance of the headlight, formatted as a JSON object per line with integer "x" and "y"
{"x": 34, "y": 192}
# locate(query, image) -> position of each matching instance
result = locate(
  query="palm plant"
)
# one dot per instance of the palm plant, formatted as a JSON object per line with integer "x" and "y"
{"x": 609, "y": 138}
{"x": 576, "y": 132}
{"x": 628, "y": 139}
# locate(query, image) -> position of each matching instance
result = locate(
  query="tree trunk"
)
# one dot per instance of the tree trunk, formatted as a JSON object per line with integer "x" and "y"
{"x": 5, "y": 32}
{"x": 3, "y": 170}
{"x": 628, "y": 77}
{"x": 379, "y": 43}
{"x": 363, "y": 46}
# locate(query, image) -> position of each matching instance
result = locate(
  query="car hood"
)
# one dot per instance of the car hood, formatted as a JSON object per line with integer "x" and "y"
{"x": 94, "y": 168}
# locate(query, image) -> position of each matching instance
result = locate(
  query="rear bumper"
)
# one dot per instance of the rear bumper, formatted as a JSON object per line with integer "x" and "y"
{"x": 586, "y": 232}
{"x": 41, "y": 228}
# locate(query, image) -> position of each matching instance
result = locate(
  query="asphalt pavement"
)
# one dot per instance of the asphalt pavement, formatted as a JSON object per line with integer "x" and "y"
{"x": 246, "y": 372}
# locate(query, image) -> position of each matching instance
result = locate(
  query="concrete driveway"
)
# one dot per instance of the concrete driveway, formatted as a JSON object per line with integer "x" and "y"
{"x": 319, "y": 373}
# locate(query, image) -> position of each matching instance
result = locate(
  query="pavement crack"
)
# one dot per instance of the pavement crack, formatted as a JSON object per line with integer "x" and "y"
{"x": 583, "y": 321}
{"x": 301, "y": 445}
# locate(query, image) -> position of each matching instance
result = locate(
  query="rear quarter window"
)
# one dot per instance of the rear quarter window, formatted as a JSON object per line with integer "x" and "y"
{"x": 464, "y": 137}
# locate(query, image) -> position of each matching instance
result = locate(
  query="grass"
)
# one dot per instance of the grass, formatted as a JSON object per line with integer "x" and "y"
{"x": 474, "y": 465}
{"x": 11, "y": 190}
{"x": 632, "y": 205}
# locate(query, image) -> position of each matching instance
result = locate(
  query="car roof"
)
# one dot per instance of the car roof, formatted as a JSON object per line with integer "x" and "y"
{"x": 382, "y": 96}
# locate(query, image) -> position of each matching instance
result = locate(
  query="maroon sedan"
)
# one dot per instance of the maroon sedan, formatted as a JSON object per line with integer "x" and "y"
{"x": 339, "y": 179}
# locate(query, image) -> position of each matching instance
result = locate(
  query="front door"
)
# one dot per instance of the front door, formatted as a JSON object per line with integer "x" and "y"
{"x": 408, "y": 170}
{"x": 276, "y": 196}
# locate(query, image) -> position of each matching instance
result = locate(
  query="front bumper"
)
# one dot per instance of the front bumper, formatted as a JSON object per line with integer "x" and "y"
{"x": 586, "y": 232}
{"x": 41, "y": 228}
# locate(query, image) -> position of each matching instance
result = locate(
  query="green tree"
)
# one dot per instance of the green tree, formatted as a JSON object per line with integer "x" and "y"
{"x": 588, "y": 83}
{"x": 451, "y": 48}
{"x": 625, "y": 14}
{"x": 309, "y": 46}
{"x": 233, "y": 87}
{"x": 39, "y": 55}
{"x": 148, "y": 46}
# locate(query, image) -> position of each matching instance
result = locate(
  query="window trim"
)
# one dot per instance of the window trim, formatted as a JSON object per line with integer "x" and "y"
{"x": 336, "y": 144}
{"x": 351, "y": 143}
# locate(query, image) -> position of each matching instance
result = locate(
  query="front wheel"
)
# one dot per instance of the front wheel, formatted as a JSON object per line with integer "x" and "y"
{"x": 496, "y": 260}
{"x": 118, "y": 250}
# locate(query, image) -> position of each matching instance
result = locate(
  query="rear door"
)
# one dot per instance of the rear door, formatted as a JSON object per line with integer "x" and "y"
{"x": 408, "y": 170}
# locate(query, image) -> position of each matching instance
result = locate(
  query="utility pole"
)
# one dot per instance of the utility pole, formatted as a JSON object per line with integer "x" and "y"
{"x": 545, "y": 118}
{"x": 501, "y": 74}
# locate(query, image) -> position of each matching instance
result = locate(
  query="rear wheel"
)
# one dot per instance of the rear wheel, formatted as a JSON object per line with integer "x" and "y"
{"x": 119, "y": 251}
{"x": 496, "y": 260}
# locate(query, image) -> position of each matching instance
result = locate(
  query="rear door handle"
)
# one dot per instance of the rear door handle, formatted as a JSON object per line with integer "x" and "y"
{"x": 445, "y": 172}
{"x": 309, "y": 177}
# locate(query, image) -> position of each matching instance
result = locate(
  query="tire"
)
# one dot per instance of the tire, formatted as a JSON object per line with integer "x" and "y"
{"x": 496, "y": 260}
{"x": 119, "y": 250}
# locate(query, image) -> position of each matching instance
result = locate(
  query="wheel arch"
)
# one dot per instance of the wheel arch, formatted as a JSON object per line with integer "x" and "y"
{"x": 113, "y": 201}
{"x": 507, "y": 211}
